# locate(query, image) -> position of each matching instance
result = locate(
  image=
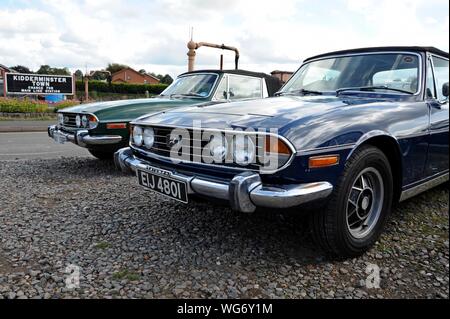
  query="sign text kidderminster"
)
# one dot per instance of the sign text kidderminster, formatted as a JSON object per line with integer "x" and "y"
{"x": 18, "y": 83}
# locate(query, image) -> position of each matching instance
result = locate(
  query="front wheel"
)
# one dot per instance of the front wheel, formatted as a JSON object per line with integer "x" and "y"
{"x": 354, "y": 217}
{"x": 101, "y": 155}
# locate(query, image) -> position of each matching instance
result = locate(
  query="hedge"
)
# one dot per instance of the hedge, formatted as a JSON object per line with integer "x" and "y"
{"x": 123, "y": 88}
{"x": 8, "y": 105}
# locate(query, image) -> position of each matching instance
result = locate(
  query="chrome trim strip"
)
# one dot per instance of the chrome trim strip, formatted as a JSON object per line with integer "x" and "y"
{"x": 312, "y": 151}
{"x": 413, "y": 191}
{"x": 245, "y": 188}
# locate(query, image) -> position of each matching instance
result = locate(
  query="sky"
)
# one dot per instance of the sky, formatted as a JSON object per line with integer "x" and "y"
{"x": 152, "y": 35}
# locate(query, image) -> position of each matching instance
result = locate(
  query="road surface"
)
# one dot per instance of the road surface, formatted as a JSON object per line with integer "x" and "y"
{"x": 35, "y": 145}
{"x": 25, "y": 125}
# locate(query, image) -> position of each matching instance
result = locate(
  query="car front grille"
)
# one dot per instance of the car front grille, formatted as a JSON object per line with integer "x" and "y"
{"x": 196, "y": 146}
{"x": 69, "y": 120}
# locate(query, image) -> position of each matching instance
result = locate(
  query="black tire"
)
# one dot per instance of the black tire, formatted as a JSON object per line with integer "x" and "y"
{"x": 330, "y": 228}
{"x": 101, "y": 155}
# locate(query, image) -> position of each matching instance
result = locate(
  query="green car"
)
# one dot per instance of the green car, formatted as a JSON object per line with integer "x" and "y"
{"x": 103, "y": 127}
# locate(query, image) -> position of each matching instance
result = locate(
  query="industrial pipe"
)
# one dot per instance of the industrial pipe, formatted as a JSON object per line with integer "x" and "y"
{"x": 192, "y": 46}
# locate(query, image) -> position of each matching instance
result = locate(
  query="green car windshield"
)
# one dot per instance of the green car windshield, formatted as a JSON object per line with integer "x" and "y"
{"x": 387, "y": 72}
{"x": 192, "y": 85}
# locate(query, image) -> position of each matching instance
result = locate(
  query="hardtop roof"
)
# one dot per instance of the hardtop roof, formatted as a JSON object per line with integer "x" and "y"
{"x": 388, "y": 48}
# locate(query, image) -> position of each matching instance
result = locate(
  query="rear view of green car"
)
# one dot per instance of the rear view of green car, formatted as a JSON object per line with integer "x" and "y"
{"x": 103, "y": 128}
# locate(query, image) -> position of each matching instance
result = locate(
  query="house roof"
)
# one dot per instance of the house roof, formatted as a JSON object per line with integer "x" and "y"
{"x": 4, "y": 67}
{"x": 389, "y": 48}
{"x": 131, "y": 69}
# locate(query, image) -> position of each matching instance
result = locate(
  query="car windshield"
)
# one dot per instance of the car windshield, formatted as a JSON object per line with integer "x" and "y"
{"x": 193, "y": 85}
{"x": 385, "y": 72}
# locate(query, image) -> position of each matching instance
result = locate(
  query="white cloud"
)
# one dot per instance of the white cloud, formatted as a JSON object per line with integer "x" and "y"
{"x": 153, "y": 34}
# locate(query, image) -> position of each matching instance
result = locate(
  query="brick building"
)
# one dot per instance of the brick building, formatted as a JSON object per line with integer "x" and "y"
{"x": 3, "y": 70}
{"x": 282, "y": 75}
{"x": 130, "y": 75}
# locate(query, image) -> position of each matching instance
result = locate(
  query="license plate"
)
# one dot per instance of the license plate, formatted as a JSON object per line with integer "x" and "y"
{"x": 59, "y": 138}
{"x": 163, "y": 184}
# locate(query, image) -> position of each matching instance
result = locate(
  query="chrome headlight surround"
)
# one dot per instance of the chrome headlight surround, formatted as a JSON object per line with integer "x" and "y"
{"x": 244, "y": 149}
{"x": 78, "y": 121}
{"x": 84, "y": 121}
{"x": 138, "y": 137}
{"x": 148, "y": 137}
{"x": 218, "y": 147}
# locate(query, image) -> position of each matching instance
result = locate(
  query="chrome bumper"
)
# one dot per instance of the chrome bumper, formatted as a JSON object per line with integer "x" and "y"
{"x": 245, "y": 191}
{"x": 82, "y": 137}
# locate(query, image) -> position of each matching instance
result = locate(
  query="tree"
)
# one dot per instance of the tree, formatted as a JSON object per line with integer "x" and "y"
{"x": 166, "y": 79}
{"x": 60, "y": 71}
{"x": 100, "y": 76}
{"x": 115, "y": 67}
{"x": 21, "y": 69}
{"x": 142, "y": 71}
{"x": 78, "y": 74}
{"x": 46, "y": 69}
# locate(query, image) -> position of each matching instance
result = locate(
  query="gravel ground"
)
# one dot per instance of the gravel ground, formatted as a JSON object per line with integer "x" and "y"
{"x": 130, "y": 243}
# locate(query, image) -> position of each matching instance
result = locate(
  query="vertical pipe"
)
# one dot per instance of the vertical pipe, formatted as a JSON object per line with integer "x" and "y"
{"x": 86, "y": 88}
{"x": 191, "y": 55}
{"x": 221, "y": 62}
{"x": 74, "y": 87}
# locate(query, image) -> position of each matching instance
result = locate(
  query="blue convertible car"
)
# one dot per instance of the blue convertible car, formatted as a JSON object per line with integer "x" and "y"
{"x": 352, "y": 131}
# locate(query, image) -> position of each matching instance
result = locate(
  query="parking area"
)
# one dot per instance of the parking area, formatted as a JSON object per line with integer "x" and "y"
{"x": 59, "y": 213}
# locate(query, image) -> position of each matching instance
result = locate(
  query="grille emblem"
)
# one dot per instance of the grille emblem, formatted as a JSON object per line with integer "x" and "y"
{"x": 66, "y": 119}
{"x": 173, "y": 140}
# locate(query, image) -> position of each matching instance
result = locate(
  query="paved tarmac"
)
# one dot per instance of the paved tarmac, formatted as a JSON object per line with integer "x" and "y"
{"x": 25, "y": 125}
{"x": 36, "y": 145}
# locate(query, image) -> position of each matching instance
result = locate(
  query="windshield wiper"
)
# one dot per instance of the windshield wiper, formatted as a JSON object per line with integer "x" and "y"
{"x": 371, "y": 88}
{"x": 187, "y": 94}
{"x": 300, "y": 91}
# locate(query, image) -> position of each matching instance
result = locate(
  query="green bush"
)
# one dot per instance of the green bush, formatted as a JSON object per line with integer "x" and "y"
{"x": 10, "y": 105}
{"x": 95, "y": 96}
{"x": 122, "y": 88}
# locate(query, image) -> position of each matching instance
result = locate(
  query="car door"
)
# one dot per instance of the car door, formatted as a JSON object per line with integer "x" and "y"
{"x": 438, "y": 158}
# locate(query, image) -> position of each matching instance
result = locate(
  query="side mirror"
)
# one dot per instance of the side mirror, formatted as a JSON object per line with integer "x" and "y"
{"x": 445, "y": 89}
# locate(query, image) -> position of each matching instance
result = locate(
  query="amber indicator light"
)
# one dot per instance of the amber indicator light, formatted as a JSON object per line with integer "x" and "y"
{"x": 116, "y": 125}
{"x": 323, "y": 161}
{"x": 275, "y": 145}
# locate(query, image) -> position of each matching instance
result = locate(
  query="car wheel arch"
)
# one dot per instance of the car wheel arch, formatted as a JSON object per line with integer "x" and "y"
{"x": 389, "y": 145}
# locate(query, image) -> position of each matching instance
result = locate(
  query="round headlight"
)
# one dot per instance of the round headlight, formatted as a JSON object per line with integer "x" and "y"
{"x": 78, "y": 121}
{"x": 84, "y": 121}
{"x": 149, "y": 137}
{"x": 244, "y": 149}
{"x": 60, "y": 118}
{"x": 218, "y": 147}
{"x": 137, "y": 135}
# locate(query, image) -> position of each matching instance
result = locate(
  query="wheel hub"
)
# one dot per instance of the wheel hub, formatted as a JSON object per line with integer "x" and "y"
{"x": 365, "y": 202}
